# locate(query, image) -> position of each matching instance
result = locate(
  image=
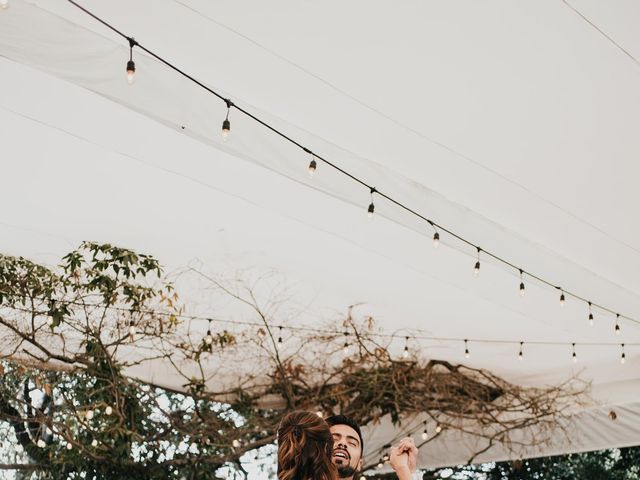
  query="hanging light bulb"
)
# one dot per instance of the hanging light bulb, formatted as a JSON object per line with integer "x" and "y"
{"x": 436, "y": 235}
{"x": 405, "y": 353}
{"x": 574, "y": 357}
{"x": 132, "y": 328}
{"x": 623, "y": 356}
{"x": 425, "y": 435}
{"x": 131, "y": 72}
{"x": 226, "y": 124}
{"x": 312, "y": 167}
{"x": 280, "y": 335}
{"x": 372, "y": 207}
{"x": 209, "y": 338}
{"x": 438, "y": 428}
{"x": 520, "y": 355}
{"x": 131, "y": 65}
{"x": 4, "y": 4}
{"x": 94, "y": 443}
{"x": 466, "y": 350}
{"x": 590, "y": 316}
{"x": 89, "y": 414}
{"x": 561, "y": 298}
{"x": 521, "y": 284}
{"x": 69, "y": 446}
{"x": 476, "y": 269}
{"x": 108, "y": 410}
{"x": 617, "y": 327}
{"x": 41, "y": 443}
{"x": 345, "y": 349}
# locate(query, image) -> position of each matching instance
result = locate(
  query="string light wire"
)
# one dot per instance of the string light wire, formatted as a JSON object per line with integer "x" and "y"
{"x": 420, "y": 335}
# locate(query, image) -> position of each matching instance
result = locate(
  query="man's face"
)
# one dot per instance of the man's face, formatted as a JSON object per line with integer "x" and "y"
{"x": 347, "y": 451}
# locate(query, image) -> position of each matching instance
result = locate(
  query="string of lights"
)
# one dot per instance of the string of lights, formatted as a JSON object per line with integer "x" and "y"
{"x": 415, "y": 337}
{"x": 438, "y": 228}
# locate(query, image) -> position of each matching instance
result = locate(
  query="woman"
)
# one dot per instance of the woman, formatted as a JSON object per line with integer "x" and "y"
{"x": 305, "y": 446}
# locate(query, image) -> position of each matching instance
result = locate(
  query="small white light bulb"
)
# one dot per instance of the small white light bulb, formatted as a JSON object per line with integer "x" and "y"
{"x": 226, "y": 129}
{"x": 131, "y": 72}
{"x": 312, "y": 168}
{"x": 436, "y": 240}
{"x": 226, "y": 124}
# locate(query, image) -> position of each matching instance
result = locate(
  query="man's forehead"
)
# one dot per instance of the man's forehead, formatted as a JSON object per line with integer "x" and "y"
{"x": 345, "y": 430}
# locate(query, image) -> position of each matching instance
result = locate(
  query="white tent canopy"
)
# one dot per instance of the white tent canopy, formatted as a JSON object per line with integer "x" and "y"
{"x": 512, "y": 124}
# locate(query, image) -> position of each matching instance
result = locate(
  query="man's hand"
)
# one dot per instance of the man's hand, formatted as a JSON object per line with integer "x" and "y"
{"x": 408, "y": 446}
{"x": 403, "y": 458}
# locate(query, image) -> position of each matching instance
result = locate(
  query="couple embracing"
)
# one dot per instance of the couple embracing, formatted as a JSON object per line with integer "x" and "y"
{"x": 310, "y": 448}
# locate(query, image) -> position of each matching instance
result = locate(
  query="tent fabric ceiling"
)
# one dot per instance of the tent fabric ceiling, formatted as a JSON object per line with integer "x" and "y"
{"x": 514, "y": 125}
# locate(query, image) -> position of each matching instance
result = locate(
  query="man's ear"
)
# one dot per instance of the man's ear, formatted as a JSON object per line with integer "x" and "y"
{"x": 360, "y": 463}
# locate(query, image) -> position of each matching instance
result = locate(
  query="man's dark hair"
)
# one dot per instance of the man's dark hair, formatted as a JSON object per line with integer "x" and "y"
{"x": 344, "y": 420}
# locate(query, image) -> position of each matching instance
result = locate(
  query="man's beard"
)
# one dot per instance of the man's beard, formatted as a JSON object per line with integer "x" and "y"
{"x": 346, "y": 471}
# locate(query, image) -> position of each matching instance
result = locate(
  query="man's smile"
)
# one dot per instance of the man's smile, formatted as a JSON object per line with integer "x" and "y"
{"x": 342, "y": 454}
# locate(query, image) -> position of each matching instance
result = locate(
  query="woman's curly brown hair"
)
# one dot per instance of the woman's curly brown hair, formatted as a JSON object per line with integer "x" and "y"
{"x": 305, "y": 447}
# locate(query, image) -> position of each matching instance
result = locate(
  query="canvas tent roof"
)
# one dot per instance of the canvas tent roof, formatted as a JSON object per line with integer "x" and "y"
{"x": 514, "y": 125}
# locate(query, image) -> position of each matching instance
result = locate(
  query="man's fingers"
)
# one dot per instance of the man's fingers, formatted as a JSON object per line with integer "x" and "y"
{"x": 396, "y": 450}
{"x": 406, "y": 444}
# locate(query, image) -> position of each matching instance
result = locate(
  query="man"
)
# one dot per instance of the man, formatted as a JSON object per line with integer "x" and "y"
{"x": 348, "y": 447}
